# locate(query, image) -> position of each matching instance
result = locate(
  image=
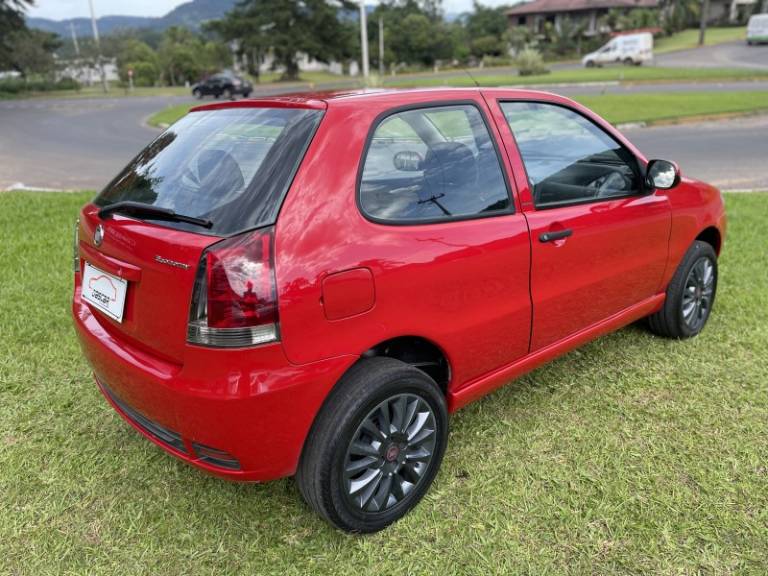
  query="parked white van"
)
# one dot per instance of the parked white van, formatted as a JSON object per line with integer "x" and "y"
{"x": 629, "y": 49}
{"x": 757, "y": 29}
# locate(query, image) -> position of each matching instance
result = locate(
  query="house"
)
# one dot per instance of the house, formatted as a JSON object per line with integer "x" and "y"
{"x": 536, "y": 13}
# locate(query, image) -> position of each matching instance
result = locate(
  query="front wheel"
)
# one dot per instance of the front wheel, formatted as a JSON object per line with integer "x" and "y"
{"x": 690, "y": 295}
{"x": 375, "y": 447}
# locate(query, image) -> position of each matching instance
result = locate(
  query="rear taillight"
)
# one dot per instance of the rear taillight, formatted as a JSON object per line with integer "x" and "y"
{"x": 234, "y": 302}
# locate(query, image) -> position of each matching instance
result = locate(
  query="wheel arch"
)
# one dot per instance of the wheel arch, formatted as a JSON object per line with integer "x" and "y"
{"x": 711, "y": 235}
{"x": 417, "y": 351}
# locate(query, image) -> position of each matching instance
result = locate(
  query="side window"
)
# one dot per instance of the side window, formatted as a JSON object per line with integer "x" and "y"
{"x": 569, "y": 160}
{"x": 432, "y": 164}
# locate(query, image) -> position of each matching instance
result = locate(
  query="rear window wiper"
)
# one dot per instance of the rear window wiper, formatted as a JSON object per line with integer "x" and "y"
{"x": 155, "y": 212}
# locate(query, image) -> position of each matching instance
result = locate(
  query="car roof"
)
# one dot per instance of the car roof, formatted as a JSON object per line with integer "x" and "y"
{"x": 321, "y": 99}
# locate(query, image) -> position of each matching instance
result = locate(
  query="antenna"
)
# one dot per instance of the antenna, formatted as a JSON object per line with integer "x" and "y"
{"x": 475, "y": 82}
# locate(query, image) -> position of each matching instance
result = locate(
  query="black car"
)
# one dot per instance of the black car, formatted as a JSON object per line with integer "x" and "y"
{"x": 222, "y": 85}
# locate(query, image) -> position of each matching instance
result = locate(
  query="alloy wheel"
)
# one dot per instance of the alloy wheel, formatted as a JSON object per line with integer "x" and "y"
{"x": 389, "y": 453}
{"x": 697, "y": 293}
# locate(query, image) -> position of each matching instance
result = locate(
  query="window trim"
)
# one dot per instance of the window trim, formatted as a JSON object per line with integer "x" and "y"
{"x": 381, "y": 117}
{"x": 639, "y": 166}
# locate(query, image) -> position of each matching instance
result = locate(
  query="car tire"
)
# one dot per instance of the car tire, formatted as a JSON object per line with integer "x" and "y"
{"x": 629, "y": 62}
{"x": 246, "y": 94}
{"x": 355, "y": 469}
{"x": 197, "y": 93}
{"x": 690, "y": 295}
{"x": 590, "y": 64}
{"x": 227, "y": 94}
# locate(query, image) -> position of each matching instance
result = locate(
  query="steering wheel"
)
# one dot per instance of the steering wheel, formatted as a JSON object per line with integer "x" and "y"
{"x": 612, "y": 184}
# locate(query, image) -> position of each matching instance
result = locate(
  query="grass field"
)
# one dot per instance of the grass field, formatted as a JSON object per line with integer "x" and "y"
{"x": 666, "y": 106}
{"x": 690, "y": 38}
{"x": 632, "y": 455}
{"x": 618, "y": 108}
{"x": 631, "y": 74}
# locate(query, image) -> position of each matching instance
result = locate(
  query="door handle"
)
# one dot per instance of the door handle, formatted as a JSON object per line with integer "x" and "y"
{"x": 558, "y": 235}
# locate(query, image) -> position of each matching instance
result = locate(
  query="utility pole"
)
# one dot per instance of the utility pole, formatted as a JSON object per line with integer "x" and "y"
{"x": 703, "y": 21}
{"x": 381, "y": 46}
{"x": 364, "y": 39}
{"x": 74, "y": 38}
{"x": 98, "y": 48}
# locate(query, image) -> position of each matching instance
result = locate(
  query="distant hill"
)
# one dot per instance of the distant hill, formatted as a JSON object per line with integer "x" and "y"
{"x": 190, "y": 15}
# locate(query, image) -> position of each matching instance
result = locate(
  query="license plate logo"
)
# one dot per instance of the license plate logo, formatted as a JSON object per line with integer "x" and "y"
{"x": 104, "y": 291}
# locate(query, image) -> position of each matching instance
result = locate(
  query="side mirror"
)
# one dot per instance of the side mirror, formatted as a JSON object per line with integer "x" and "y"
{"x": 408, "y": 161}
{"x": 662, "y": 174}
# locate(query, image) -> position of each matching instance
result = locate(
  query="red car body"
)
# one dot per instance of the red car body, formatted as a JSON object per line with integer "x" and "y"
{"x": 506, "y": 302}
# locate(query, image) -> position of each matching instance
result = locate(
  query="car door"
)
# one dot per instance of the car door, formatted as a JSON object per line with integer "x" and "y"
{"x": 599, "y": 237}
{"x": 433, "y": 223}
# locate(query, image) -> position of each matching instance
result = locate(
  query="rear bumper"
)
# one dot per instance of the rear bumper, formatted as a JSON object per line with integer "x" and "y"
{"x": 239, "y": 414}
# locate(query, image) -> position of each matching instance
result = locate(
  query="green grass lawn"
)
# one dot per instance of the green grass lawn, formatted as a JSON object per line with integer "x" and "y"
{"x": 618, "y": 108}
{"x": 632, "y": 455}
{"x": 96, "y": 91}
{"x": 317, "y": 77}
{"x": 267, "y": 79}
{"x": 491, "y": 77}
{"x": 690, "y": 38}
{"x": 666, "y": 106}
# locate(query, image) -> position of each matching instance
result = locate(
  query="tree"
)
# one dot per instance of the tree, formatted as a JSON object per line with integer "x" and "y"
{"x": 184, "y": 57}
{"x": 416, "y": 32}
{"x": 31, "y": 51}
{"x": 288, "y": 28}
{"x": 11, "y": 22}
{"x": 138, "y": 56}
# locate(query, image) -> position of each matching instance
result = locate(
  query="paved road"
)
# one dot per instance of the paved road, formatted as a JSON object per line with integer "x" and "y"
{"x": 78, "y": 143}
{"x": 729, "y": 154}
{"x": 729, "y": 55}
{"x": 83, "y": 143}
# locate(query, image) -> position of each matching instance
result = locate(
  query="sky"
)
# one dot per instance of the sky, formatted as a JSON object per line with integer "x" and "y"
{"x": 63, "y": 9}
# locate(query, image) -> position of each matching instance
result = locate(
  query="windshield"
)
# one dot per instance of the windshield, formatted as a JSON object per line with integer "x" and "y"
{"x": 230, "y": 166}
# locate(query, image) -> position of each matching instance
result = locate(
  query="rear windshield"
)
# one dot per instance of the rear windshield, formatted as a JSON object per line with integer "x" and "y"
{"x": 230, "y": 166}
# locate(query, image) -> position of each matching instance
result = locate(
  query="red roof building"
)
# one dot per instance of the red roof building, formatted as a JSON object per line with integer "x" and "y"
{"x": 534, "y": 14}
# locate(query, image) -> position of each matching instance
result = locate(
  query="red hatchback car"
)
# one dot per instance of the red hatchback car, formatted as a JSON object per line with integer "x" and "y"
{"x": 308, "y": 285}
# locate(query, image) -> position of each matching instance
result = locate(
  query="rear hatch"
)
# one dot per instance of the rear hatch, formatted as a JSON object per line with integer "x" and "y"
{"x": 215, "y": 174}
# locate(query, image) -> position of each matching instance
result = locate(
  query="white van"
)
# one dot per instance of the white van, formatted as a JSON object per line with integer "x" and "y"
{"x": 757, "y": 29}
{"x": 630, "y": 49}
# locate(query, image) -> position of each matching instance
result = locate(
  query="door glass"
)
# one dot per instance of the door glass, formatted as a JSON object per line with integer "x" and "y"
{"x": 432, "y": 164}
{"x": 569, "y": 160}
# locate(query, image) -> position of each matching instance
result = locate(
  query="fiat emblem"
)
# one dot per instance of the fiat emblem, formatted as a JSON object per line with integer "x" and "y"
{"x": 98, "y": 236}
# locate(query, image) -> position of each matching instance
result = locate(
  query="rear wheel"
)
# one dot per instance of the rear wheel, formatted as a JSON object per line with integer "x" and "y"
{"x": 629, "y": 62}
{"x": 690, "y": 295}
{"x": 227, "y": 94}
{"x": 197, "y": 93}
{"x": 375, "y": 447}
{"x": 590, "y": 64}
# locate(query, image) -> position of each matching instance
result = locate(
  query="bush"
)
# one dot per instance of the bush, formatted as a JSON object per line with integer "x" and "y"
{"x": 67, "y": 83}
{"x": 498, "y": 61}
{"x": 530, "y": 62}
{"x": 144, "y": 73}
{"x": 13, "y": 86}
